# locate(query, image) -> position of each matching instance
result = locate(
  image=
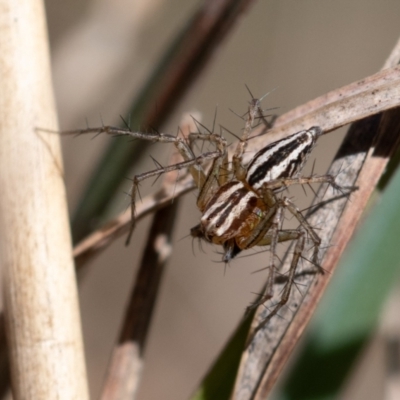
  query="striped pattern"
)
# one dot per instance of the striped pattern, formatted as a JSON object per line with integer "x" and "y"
{"x": 282, "y": 159}
{"x": 234, "y": 211}
{"x": 227, "y": 212}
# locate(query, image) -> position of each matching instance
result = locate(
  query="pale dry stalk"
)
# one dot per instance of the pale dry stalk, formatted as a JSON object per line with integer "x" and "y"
{"x": 40, "y": 296}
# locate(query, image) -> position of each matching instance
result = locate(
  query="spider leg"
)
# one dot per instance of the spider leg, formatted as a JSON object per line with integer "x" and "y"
{"x": 274, "y": 230}
{"x": 272, "y": 238}
{"x": 225, "y": 173}
{"x": 308, "y": 228}
{"x": 271, "y": 224}
{"x": 214, "y": 174}
{"x": 298, "y": 250}
{"x": 162, "y": 170}
{"x": 195, "y": 169}
{"x": 286, "y": 182}
{"x": 283, "y": 236}
{"x": 253, "y": 113}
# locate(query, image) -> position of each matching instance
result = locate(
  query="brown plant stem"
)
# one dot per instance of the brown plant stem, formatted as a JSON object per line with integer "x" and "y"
{"x": 125, "y": 369}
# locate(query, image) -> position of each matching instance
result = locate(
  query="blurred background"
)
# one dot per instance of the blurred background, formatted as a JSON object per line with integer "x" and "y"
{"x": 103, "y": 52}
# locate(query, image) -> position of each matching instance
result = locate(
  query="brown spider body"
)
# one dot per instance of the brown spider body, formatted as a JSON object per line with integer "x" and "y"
{"x": 239, "y": 210}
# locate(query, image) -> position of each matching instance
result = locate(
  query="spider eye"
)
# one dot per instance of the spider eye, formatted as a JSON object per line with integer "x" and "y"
{"x": 217, "y": 225}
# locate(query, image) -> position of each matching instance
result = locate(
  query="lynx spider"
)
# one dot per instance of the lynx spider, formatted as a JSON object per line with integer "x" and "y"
{"x": 240, "y": 205}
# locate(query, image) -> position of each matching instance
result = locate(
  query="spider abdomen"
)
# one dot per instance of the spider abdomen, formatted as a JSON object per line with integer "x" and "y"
{"x": 283, "y": 158}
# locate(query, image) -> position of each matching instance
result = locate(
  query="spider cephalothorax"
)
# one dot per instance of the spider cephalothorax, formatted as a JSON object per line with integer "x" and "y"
{"x": 230, "y": 216}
